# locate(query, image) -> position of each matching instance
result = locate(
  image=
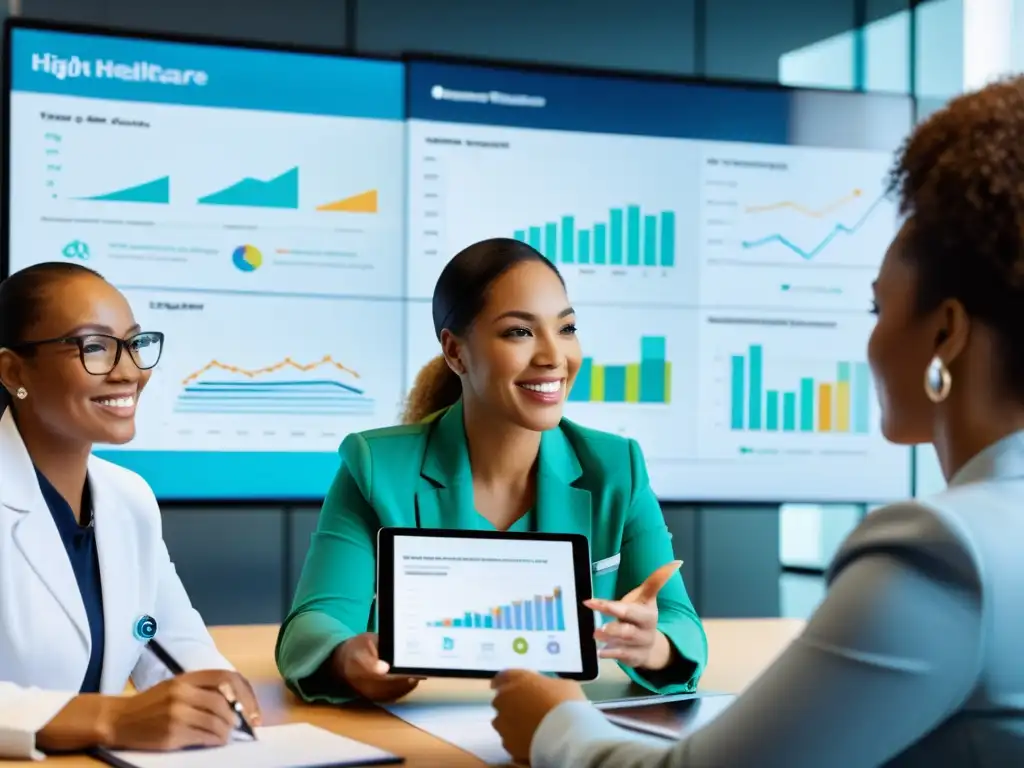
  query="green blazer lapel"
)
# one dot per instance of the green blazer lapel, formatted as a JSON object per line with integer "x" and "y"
{"x": 444, "y": 498}
{"x": 561, "y": 506}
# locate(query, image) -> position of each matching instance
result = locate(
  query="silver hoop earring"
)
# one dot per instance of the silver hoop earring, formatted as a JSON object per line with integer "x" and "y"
{"x": 937, "y": 380}
{"x": 22, "y": 393}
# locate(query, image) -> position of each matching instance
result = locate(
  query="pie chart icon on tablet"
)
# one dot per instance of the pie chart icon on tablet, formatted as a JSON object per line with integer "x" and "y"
{"x": 247, "y": 258}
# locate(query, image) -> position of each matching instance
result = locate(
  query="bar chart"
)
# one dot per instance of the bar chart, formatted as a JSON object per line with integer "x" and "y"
{"x": 541, "y": 613}
{"x": 646, "y": 381}
{"x": 629, "y": 238}
{"x": 838, "y": 405}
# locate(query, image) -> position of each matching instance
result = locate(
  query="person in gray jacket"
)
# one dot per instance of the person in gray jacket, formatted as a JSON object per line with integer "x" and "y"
{"x": 914, "y": 657}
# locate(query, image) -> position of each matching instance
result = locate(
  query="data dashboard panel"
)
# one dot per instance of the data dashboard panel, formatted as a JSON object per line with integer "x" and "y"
{"x": 718, "y": 245}
{"x": 283, "y": 216}
{"x": 250, "y": 205}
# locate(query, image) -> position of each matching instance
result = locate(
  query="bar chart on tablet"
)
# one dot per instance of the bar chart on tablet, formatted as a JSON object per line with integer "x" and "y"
{"x": 485, "y": 604}
{"x": 543, "y": 613}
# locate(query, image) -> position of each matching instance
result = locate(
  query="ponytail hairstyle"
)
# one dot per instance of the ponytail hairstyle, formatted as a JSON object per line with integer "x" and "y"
{"x": 23, "y": 303}
{"x": 459, "y": 296}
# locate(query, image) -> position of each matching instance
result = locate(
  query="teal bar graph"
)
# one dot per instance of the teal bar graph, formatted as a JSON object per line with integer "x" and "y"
{"x": 738, "y": 405}
{"x": 616, "y": 236}
{"x": 551, "y": 242}
{"x": 668, "y": 239}
{"x": 788, "y": 411}
{"x": 568, "y": 240}
{"x": 861, "y": 397}
{"x": 754, "y": 390}
{"x": 650, "y": 241}
{"x": 629, "y": 238}
{"x": 615, "y": 384}
{"x": 542, "y": 613}
{"x": 646, "y": 381}
{"x": 633, "y": 235}
{"x": 833, "y": 405}
{"x": 771, "y": 421}
{"x": 600, "y": 244}
{"x": 653, "y": 366}
{"x": 806, "y": 405}
{"x": 279, "y": 192}
{"x": 583, "y": 254}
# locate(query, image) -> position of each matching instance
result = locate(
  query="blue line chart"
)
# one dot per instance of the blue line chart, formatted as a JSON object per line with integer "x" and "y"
{"x": 808, "y": 254}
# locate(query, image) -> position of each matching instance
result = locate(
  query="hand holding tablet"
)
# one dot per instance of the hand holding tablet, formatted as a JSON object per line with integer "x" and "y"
{"x": 357, "y": 661}
{"x": 471, "y": 603}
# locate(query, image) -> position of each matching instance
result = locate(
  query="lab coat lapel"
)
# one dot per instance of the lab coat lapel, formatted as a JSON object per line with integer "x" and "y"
{"x": 119, "y": 578}
{"x": 34, "y": 532}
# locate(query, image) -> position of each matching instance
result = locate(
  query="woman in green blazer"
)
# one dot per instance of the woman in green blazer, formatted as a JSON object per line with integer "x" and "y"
{"x": 485, "y": 447}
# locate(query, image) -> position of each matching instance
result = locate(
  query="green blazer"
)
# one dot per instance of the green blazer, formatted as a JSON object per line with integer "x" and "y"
{"x": 588, "y": 482}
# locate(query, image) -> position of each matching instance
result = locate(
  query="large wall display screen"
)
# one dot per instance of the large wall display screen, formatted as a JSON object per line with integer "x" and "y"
{"x": 250, "y": 205}
{"x": 718, "y": 244}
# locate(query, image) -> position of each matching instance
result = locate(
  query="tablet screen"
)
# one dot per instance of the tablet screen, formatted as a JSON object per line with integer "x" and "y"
{"x": 485, "y": 604}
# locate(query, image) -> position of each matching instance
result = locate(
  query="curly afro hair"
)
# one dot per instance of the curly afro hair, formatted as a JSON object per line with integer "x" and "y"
{"x": 959, "y": 179}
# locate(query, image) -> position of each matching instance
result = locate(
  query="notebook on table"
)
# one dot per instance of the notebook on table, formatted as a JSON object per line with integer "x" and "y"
{"x": 297, "y": 745}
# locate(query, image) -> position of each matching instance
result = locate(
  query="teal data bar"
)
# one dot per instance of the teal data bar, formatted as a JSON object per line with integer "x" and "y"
{"x": 583, "y": 254}
{"x": 738, "y": 393}
{"x": 668, "y": 239}
{"x": 650, "y": 241}
{"x": 616, "y": 236}
{"x": 568, "y": 240}
{"x": 633, "y": 227}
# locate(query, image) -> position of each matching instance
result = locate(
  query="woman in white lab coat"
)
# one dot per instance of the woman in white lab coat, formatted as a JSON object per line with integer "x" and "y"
{"x": 85, "y": 577}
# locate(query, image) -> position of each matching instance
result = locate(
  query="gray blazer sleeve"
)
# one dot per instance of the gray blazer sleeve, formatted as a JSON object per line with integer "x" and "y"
{"x": 894, "y": 649}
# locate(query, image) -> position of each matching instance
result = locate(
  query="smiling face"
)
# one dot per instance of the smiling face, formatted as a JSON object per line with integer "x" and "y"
{"x": 64, "y": 399}
{"x": 521, "y": 355}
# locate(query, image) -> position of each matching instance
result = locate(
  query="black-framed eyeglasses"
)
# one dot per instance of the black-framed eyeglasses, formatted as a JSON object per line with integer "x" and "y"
{"x": 100, "y": 353}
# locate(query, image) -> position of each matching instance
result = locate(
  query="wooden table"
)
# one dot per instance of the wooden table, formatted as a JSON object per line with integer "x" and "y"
{"x": 739, "y": 650}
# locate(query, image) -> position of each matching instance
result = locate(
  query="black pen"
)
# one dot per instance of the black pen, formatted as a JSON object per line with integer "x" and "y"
{"x": 175, "y": 669}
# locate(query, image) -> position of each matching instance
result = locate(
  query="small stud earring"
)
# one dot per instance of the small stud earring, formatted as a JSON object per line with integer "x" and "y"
{"x": 937, "y": 380}
{"x": 22, "y": 393}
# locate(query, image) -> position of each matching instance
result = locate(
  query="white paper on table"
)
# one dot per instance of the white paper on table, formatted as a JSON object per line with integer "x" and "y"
{"x": 466, "y": 726}
{"x": 297, "y": 745}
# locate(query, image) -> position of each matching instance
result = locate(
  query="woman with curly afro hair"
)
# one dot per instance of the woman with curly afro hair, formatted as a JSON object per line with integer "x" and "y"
{"x": 913, "y": 658}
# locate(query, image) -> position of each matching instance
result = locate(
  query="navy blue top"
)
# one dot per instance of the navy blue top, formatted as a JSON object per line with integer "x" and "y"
{"x": 80, "y": 543}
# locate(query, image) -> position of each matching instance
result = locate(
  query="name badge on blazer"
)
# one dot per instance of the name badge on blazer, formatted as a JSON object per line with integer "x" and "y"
{"x": 608, "y": 564}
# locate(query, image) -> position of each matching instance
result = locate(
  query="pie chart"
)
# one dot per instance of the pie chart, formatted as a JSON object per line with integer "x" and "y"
{"x": 247, "y": 258}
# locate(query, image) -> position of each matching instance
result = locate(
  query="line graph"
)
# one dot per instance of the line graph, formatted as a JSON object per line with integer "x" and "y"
{"x": 326, "y": 360}
{"x": 279, "y": 388}
{"x": 808, "y": 254}
{"x": 794, "y": 227}
{"x": 814, "y": 213}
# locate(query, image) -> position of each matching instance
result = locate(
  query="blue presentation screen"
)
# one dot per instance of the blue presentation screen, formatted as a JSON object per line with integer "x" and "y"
{"x": 718, "y": 244}
{"x": 250, "y": 204}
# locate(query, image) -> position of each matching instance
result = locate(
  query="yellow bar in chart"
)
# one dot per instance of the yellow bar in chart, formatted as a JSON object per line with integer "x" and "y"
{"x": 842, "y": 406}
{"x": 597, "y": 384}
{"x": 633, "y": 383}
{"x": 824, "y": 407}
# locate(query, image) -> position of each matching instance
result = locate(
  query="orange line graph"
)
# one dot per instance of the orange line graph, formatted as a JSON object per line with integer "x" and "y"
{"x": 815, "y": 213}
{"x": 215, "y": 365}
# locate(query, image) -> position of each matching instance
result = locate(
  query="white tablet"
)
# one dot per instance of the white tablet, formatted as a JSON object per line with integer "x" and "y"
{"x": 472, "y": 603}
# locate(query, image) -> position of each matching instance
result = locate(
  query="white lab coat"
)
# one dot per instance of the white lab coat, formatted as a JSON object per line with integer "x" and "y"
{"x": 44, "y": 633}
